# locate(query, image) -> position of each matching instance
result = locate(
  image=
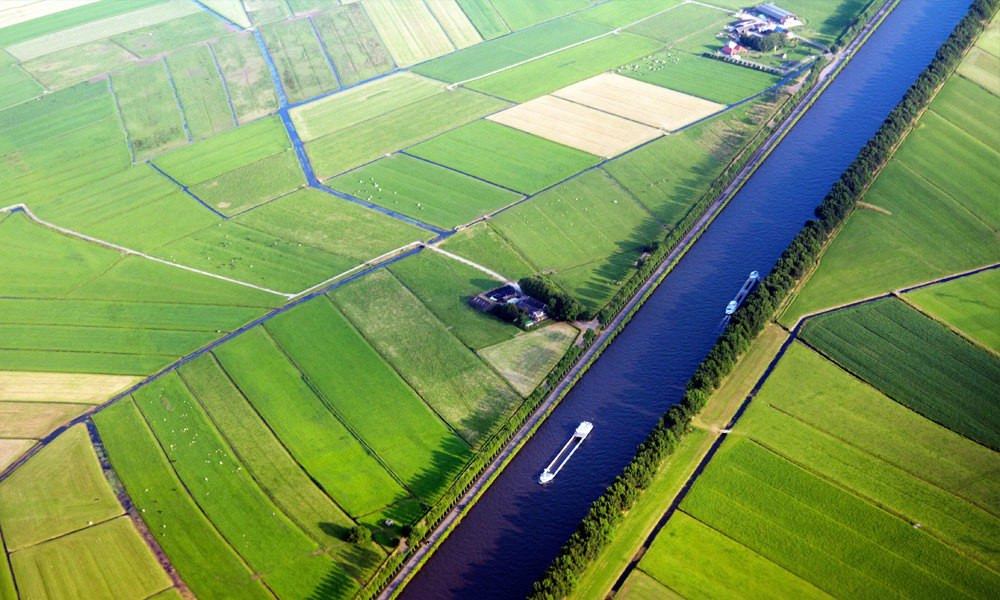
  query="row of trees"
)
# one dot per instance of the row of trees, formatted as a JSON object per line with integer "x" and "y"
{"x": 595, "y": 531}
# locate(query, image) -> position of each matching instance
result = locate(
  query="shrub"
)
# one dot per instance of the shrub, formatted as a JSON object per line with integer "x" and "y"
{"x": 359, "y": 534}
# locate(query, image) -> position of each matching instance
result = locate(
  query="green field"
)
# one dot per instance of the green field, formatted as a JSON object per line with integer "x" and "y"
{"x": 272, "y": 467}
{"x": 510, "y": 49}
{"x": 968, "y": 304}
{"x": 54, "y": 115}
{"x": 519, "y": 14}
{"x": 445, "y": 286}
{"x": 408, "y": 29}
{"x": 149, "y": 109}
{"x": 336, "y": 226}
{"x": 587, "y": 218}
{"x": 15, "y": 83}
{"x": 61, "y": 489}
{"x": 677, "y": 23}
{"x": 699, "y": 76}
{"x": 352, "y": 43}
{"x": 963, "y": 103}
{"x": 230, "y": 9}
{"x": 224, "y": 153}
{"x": 68, "y": 19}
{"x": 252, "y": 184}
{"x": 457, "y": 26}
{"x": 200, "y": 90}
{"x": 208, "y": 565}
{"x": 981, "y": 67}
{"x": 618, "y": 13}
{"x": 358, "y": 144}
{"x": 302, "y": 421}
{"x": 736, "y": 570}
{"x": 147, "y": 42}
{"x": 526, "y": 359}
{"x": 266, "y": 11}
{"x": 484, "y": 246}
{"x": 297, "y": 53}
{"x": 453, "y": 381}
{"x": 547, "y": 74}
{"x": 364, "y": 391}
{"x": 917, "y": 362}
{"x": 424, "y": 191}
{"x": 108, "y": 560}
{"x": 246, "y": 75}
{"x": 484, "y": 17}
{"x": 504, "y": 155}
{"x": 227, "y": 494}
{"x": 825, "y": 535}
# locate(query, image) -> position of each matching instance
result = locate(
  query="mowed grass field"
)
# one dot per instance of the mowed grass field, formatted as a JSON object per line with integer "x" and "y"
{"x": 969, "y": 304}
{"x": 422, "y": 190}
{"x": 917, "y": 362}
{"x": 409, "y": 30}
{"x": 525, "y": 360}
{"x": 452, "y": 379}
{"x": 504, "y": 155}
{"x": 934, "y": 217}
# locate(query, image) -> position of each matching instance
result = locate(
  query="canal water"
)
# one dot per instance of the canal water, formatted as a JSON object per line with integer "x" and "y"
{"x": 518, "y": 526}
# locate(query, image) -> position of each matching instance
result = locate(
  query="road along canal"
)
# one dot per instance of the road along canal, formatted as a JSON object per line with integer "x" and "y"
{"x": 515, "y": 529}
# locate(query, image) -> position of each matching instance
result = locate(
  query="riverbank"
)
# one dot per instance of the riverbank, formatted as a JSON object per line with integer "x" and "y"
{"x": 615, "y": 326}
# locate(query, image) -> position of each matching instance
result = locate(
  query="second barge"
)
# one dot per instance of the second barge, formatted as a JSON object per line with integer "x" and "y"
{"x": 581, "y": 433}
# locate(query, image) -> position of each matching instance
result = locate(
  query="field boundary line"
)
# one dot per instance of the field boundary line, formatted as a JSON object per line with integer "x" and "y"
{"x": 367, "y": 263}
{"x": 905, "y": 299}
{"x": 452, "y": 169}
{"x": 121, "y": 119}
{"x": 171, "y": 466}
{"x": 27, "y": 211}
{"x": 224, "y": 18}
{"x": 177, "y": 97}
{"x": 949, "y": 195}
{"x": 225, "y": 84}
{"x": 614, "y": 31}
{"x": 187, "y": 190}
{"x": 440, "y": 25}
{"x": 278, "y": 440}
{"x": 326, "y": 53}
{"x": 470, "y": 263}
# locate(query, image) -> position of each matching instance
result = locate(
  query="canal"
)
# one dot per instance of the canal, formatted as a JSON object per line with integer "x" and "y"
{"x": 518, "y": 526}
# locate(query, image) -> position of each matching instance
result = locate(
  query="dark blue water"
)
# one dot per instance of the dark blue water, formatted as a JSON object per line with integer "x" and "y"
{"x": 515, "y": 530}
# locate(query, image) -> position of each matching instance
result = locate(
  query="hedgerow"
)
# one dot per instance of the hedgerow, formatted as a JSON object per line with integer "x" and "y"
{"x": 596, "y": 530}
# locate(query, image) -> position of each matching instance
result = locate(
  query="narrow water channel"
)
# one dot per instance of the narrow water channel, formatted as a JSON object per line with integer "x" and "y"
{"x": 511, "y": 535}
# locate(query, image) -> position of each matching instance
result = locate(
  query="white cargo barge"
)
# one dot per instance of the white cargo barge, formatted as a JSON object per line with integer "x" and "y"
{"x": 581, "y": 433}
{"x": 743, "y": 293}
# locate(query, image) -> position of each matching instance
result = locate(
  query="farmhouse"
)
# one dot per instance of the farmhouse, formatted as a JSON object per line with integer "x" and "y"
{"x": 531, "y": 308}
{"x": 733, "y": 48}
{"x": 778, "y": 15}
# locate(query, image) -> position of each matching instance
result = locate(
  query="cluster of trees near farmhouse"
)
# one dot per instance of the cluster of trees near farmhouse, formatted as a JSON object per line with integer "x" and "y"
{"x": 766, "y": 43}
{"x": 596, "y": 530}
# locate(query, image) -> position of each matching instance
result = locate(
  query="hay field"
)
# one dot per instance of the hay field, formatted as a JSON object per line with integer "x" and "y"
{"x": 61, "y": 387}
{"x": 20, "y": 11}
{"x": 526, "y": 359}
{"x": 638, "y": 101}
{"x": 504, "y": 155}
{"x": 969, "y": 304}
{"x": 102, "y": 28}
{"x": 576, "y": 126}
{"x": 408, "y": 29}
{"x": 34, "y": 420}
{"x": 456, "y": 25}
{"x": 424, "y": 191}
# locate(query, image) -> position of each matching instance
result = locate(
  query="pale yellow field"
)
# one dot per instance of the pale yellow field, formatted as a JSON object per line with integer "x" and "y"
{"x": 34, "y": 420}
{"x": 527, "y": 358}
{"x": 13, "y": 12}
{"x": 82, "y": 388}
{"x": 639, "y": 101}
{"x": 575, "y": 125}
{"x": 455, "y": 23}
{"x": 11, "y": 449}
{"x": 408, "y": 29}
{"x": 100, "y": 29}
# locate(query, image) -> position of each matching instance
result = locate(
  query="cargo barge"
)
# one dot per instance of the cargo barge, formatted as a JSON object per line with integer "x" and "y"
{"x": 743, "y": 293}
{"x": 581, "y": 433}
